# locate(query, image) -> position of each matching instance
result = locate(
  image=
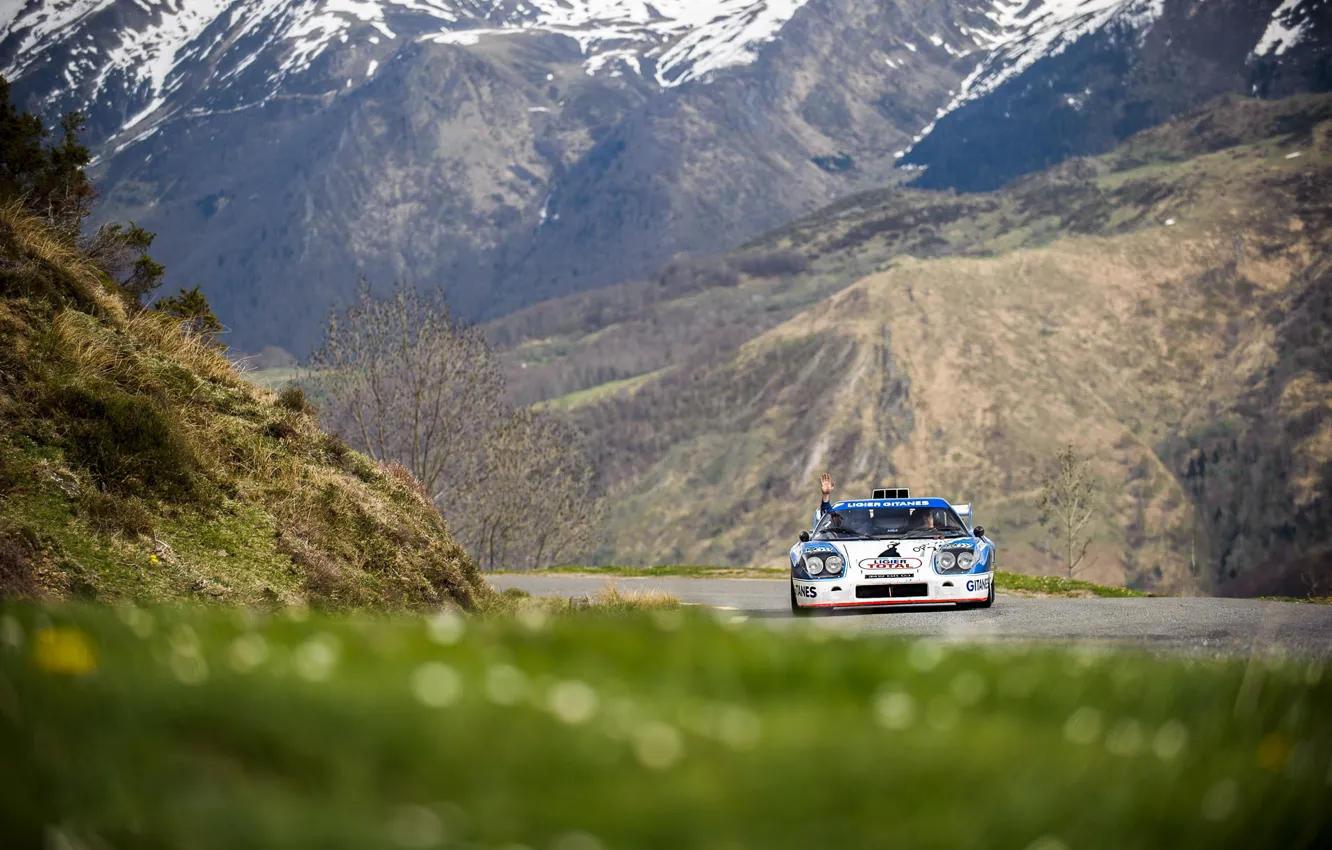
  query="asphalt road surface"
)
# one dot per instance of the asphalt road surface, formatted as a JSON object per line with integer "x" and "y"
{"x": 1194, "y": 625}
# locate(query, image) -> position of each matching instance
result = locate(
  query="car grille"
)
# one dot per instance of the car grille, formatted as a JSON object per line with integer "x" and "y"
{"x": 891, "y": 591}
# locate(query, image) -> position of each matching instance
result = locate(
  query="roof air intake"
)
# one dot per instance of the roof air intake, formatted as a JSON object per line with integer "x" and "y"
{"x": 892, "y": 494}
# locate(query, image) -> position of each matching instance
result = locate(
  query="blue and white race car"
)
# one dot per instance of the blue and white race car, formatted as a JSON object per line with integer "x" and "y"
{"x": 892, "y": 550}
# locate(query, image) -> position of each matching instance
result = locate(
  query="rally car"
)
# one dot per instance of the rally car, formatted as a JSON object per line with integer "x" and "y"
{"x": 892, "y": 550}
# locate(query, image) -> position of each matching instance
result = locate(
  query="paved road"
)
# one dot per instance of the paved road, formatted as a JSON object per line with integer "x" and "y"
{"x": 1206, "y": 626}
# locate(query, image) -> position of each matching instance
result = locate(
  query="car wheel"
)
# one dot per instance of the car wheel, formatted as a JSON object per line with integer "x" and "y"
{"x": 796, "y": 610}
{"x": 989, "y": 600}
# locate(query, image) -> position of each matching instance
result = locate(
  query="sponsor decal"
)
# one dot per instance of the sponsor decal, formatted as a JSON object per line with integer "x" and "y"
{"x": 808, "y": 591}
{"x": 891, "y": 575}
{"x": 977, "y": 585}
{"x": 890, "y": 564}
{"x": 894, "y": 503}
{"x": 820, "y": 547}
{"x": 959, "y": 544}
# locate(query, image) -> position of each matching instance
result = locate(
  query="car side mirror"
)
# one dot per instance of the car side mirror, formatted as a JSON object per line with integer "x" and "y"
{"x": 979, "y": 531}
{"x": 804, "y": 537}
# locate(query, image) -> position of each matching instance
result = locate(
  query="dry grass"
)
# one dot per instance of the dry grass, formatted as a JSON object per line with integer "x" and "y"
{"x": 169, "y": 337}
{"x": 38, "y": 245}
{"x": 404, "y": 476}
{"x": 611, "y": 597}
{"x": 89, "y": 344}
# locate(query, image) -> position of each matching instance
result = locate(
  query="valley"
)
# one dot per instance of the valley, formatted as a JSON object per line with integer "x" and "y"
{"x": 1143, "y": 306}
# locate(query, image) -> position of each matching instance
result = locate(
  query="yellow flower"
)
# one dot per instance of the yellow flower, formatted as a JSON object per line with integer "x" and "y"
{"x": 65, "y": 651}
{"x": 153, "y": 558}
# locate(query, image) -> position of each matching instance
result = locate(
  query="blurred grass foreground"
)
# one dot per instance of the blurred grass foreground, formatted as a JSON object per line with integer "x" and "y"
{"x": 215, "y": 728}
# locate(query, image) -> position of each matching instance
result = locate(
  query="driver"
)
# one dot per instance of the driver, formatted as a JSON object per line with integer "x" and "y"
{"x": 826, "y": 485}
{"x": 922, "y": 518}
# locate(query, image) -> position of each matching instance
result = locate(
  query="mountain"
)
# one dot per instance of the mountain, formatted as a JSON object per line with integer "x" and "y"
{"x": 517, "y": 151}
{"x": 1119, "y": 69}
{"x": 1161, "y": 308}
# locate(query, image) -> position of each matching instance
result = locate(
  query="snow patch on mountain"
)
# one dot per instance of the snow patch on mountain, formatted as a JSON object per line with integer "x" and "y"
{"x": 689, "y": 39}
{"x": 1025, "y": 32}
{"x": 155, "y": 44}
{"x": 1287, "y": 27}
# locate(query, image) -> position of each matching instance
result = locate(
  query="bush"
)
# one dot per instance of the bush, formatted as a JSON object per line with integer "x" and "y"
{"x": 113, "y": 514}
{"x": 194, "y": 313}
{"x": 772, "y": 263}
{"x": 293, "y": 398}
{"x": 685, "y": 276}
{"x": 16, "y": 578}
{"x": 131, "y": 444}
{"x": 404, "y": 476}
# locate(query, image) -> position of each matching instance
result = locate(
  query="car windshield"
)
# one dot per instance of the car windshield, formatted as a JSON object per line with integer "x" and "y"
{"x": 880, "y": 523}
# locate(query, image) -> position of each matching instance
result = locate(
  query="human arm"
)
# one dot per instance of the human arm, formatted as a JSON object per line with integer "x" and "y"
{"x": 826, "y": 485}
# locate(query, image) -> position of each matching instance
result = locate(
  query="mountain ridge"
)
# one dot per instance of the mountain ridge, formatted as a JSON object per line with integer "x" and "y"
{"x": 498, "y": 168}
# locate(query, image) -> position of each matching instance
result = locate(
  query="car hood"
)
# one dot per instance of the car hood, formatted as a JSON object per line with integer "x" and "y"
{"x": 907, "y": 554}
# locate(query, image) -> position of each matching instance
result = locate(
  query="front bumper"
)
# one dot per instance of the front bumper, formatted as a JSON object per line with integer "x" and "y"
{"x": 925, "y": 587}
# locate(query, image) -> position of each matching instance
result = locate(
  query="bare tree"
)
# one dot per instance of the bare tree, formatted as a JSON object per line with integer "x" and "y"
{"x": 536, "y": 507}
{"x": 1067, "y": 506}
{"x": 408, "y": 383}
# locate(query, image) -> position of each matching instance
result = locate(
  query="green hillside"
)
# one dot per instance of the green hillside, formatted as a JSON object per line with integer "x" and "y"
{"x": 136, "y": 464}
{"x": 1160, "y": 308}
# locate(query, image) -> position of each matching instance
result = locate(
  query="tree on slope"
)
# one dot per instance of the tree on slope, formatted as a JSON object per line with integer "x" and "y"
{"x": 407, "y": 383}
{"x": 50, "y": 182}
{"x": 1067, "y": 505}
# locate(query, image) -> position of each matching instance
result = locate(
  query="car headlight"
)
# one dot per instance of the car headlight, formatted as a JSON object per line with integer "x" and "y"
{"x": 835, "y": 563}
{"x": 947, "y": 561}
{"x": 813, "y": 565}
{"x": 965, "y": 559}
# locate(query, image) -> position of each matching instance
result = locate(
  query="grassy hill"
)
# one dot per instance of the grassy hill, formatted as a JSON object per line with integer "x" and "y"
{"x": 1161, "y": 308}
{"x": 136, "y": 464}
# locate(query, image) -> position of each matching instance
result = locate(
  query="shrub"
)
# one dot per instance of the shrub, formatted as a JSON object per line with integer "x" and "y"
{"x": 16, "y": 578}
{"x": 404, "y": 476}
{"x": 684, "y": 276}
{"x": 280, "y": 430}
{"x": 293, "y": 398}
{"x": 114, "y": 514}
{"x": 772, "y": 263}
{"x": 195, "y": 315}
{"x": 131, "y": 444}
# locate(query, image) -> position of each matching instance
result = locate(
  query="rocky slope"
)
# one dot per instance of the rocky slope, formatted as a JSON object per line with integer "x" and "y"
{"x": 1161, "y": 308}
{"x": 517, "y": 151}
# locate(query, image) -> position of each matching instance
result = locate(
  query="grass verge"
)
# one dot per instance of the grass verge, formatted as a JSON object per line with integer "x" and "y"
{"x": 216, "y": 728}
{"x": 609, "y": 599}
{"x": 1308, "y": 600}
{"x": 1057, "y": 586}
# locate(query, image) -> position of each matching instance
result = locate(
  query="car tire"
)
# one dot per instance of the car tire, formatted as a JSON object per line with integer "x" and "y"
{"x": 796, "y": 610}
{"x": 989, "y": 601}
